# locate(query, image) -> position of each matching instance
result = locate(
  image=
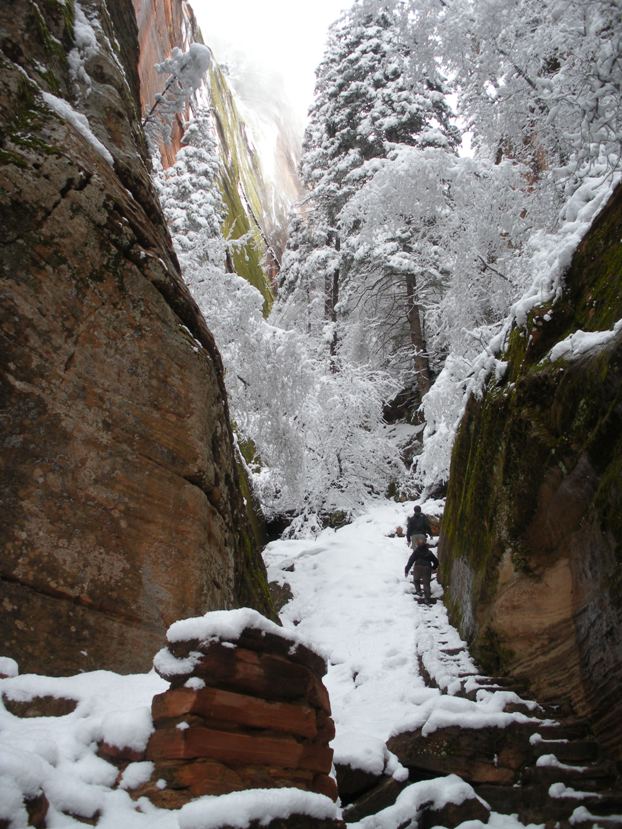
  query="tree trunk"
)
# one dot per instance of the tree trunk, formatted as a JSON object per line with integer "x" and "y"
{"x": 331, "y": 298}
{"x": 422, "y": 364}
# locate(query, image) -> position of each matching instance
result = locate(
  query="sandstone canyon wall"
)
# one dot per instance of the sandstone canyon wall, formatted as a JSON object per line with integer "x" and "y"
{"x": 253, "y": 208}
{"x": 120, "y": 500}
{"x": 161, "y": 27}
{"x": 531, "y": 544}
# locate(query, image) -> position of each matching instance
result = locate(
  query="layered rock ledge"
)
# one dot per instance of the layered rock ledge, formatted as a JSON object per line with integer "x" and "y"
{"x": 246, "y": 710}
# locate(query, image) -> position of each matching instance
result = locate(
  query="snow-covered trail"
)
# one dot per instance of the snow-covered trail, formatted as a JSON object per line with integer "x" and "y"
{"x": 352, "y": 601}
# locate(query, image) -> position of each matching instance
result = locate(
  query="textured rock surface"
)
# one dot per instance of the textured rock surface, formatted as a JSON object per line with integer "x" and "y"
{"x": 531, "y": 545}
{"x": 246, "y": 196}
{"x": 531, "y": 764}
{"x": 261, "y": 720}
{"x": 383, "y": 794}
{"x": 295, "y": 822}
{"x": 478, "y": 755}
{"x": 121, "y": 508}
{"x": 45, "y": 706}
{"x": 162, "y": 26}
{"x": 451, "y": 815}
{"x": 354, "y": 782}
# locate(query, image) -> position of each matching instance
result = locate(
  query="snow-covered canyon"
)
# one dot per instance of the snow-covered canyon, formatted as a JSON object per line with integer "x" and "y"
{"x": 442, "y": 328}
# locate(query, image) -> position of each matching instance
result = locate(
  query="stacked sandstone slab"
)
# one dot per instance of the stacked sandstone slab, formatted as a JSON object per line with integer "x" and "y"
{"x": 245, "y": 710}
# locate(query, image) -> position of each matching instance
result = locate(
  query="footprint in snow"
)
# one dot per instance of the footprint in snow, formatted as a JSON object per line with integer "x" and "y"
{"x": 396, "y": 662}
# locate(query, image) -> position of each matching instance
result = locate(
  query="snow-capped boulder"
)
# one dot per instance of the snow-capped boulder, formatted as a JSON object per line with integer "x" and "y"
{"x": 246, "y": 710}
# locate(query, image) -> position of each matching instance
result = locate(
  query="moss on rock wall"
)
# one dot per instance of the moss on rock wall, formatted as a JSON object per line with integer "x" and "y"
{"x": 531, "y": 548}
{"x": 251, "y": 584}
{"x": 242, "y": 188}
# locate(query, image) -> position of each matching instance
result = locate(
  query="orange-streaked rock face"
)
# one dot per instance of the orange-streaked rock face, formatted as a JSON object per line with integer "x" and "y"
{"x": 161, "y": 27}
{"x": 121, "y": 510}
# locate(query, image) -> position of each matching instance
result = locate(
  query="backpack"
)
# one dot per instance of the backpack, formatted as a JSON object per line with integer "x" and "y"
{"x": 418, "y": 523}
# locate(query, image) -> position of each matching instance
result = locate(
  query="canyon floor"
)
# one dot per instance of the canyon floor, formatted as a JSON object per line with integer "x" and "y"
{"x": 398, "y": 674}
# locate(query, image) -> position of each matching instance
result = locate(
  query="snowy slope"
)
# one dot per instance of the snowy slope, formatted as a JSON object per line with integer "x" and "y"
{"x": 351, "y": 599}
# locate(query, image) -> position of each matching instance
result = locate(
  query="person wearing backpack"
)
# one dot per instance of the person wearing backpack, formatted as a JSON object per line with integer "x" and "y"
{"x": 417, "y": 528}
{"x": 424, "y": 562}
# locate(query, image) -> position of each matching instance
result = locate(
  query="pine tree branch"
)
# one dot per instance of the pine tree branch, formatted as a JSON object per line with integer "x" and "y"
{"x": 158, "y": 100}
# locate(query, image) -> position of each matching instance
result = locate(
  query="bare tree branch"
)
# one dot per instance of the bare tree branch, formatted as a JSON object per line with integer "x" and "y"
{"x": 494, "y": 270}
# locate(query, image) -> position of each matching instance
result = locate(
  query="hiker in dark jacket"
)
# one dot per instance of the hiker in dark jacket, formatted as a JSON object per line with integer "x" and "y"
{"x": 417, "y": 528}
{"x": 423, "y": 561}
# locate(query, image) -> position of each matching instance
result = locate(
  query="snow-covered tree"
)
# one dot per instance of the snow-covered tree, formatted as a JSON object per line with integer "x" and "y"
{"x": 539, "y": 88}
{"x": 184, "y": 72}
{"x": 539, "y": 79}
{"x": 538, "y": 85}
{"x": 405, "y": 261}
{"x": 191, "y": 199}
{"x": 475, "y": 218}
{"x": 371, "y": 98}
{"x": 318, "y": 444}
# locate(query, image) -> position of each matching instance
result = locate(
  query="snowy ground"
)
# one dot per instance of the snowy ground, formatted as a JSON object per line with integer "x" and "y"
{"x": 352, "y": 602}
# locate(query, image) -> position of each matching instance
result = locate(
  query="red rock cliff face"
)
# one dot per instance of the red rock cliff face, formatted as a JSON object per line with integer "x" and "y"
{"x": 120, "y": 502}
{"x": 161, "y": 27}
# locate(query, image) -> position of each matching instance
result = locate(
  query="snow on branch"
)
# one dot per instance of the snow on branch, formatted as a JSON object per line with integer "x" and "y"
{"x": 186, "y": 71}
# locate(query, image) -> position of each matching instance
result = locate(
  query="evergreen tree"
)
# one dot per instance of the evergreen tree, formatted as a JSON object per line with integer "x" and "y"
{"x": 191, "y": 198}
{"x": 371, "y": 98}
{"x": 317, "y": 436}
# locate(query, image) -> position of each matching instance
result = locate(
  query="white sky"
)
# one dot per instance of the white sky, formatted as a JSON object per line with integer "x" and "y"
{"x": 276, "y": 44}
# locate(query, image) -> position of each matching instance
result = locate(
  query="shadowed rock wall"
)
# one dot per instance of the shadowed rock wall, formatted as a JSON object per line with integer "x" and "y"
{"x": 531, "y": 544}
{"x": 120, "y": 502}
